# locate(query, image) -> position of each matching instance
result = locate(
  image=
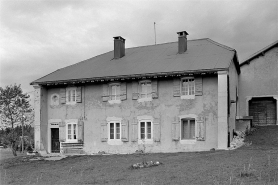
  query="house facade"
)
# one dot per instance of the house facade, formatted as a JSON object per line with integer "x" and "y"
{"x": 172, "y": 97}
{"x": 258, "y": 84}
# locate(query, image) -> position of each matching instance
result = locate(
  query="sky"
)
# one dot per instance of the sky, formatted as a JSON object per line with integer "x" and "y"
{"x": 38, "y": 37}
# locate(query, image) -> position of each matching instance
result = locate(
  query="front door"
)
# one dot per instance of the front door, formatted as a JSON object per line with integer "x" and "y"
{"x": 55, "y": 144}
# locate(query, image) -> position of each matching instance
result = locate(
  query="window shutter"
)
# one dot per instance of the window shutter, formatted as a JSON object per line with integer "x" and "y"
{"x": 104, "y": 134}
{"x": 80, "y": 135}
{"x": 198, "y": 86}
{"x": 105, "y": 92}
{"x": 176, "y": 87}
{"x": 134, "y": 132}
{"x": 201, "y": 130}
{"x": 135, "y": 93}
{"x": 62, "y": 95}
{"x": 123, "y": 91}
{"x": 175, "y": 131}
{"x": 78, "y": 94}
{"x": 154, "y": 89}
{"x": 124, "y": 130}
{"x": 62, "y": 131}
{"x": 156, "y": 131}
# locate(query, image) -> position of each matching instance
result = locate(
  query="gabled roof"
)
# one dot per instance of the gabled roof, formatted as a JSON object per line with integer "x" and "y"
{"x": 201, "y": 55}
{"x": 261, "y": 52}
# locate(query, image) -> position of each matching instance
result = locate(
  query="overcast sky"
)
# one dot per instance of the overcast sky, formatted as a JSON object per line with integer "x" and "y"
{"x": 38, "y": 37}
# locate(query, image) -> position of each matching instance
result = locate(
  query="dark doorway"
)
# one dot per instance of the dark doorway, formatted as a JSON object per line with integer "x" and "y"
{"x": 263, "y": 111}
{"x": 55, "y": 144}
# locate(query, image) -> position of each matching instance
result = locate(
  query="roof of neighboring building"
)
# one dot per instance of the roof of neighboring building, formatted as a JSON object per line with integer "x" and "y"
{"x": 201, "y": 55}
{"x": 260, "y": 52}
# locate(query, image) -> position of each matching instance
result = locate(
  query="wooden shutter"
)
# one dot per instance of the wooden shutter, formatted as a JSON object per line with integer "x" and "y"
{"x": 154, "y": 89}
{"x": 62, "y": 95}
{"x": 80, "y": 135}
{"x": 125, "y": 131}
{"x": 135, "y": 93}
{"x": 198, "y": 86}
{"x": 156, "y": 131}
{"x": 123, "y": 91}
{"x": 201, "y": 130}
{"x": 176, "y": 87}
{"x": 104, "y": 134}
{"x": 175, "y": 131}
{"x": 134, "y": 132}
{"x": 78, "y": 94}
{"x": 62, "y": 132}
{"x": 105, "y": 92}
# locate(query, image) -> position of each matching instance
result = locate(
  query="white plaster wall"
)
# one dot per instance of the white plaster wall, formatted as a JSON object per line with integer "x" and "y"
{"x": 94, "y": 112}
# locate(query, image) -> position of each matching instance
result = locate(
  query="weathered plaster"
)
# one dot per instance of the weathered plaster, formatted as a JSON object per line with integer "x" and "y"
{"x": 259, "y": 78}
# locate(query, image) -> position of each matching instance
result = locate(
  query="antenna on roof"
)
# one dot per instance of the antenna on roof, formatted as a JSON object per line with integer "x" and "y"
{"x": 154, "y": 34}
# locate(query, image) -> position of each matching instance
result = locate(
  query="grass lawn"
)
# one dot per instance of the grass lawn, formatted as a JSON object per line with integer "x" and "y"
{"x": 254, "y": 164}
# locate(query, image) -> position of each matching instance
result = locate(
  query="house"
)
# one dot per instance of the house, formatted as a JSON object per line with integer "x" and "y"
{"x": 258, "y": 86}
{"x": 172, "y": 97}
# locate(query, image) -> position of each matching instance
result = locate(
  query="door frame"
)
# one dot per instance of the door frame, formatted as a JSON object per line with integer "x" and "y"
{"x": 248, "y": 98}
{"x": 52, "y": 123}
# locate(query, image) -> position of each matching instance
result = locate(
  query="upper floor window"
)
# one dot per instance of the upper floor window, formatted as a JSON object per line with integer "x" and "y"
{"x": 71, "y": 132}
{"x": 187, "y": 87}
{"x": 54, "y": 100}
{"x": 71, "y": 95}
{"x": 114, "y": 91}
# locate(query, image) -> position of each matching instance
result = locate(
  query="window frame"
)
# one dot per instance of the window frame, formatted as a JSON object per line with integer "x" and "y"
{"x": 55, "y": 103}
{"x": 67, "y": 132}
{"x": 114, "y": 120}
{"x": 141, "y": 99}
{"x": 110, "y": 86}
{"x": 71, "y": 101}
{"x": 187, "y": 96}
{"x": 146, "y": 130}
{"x": 188, "y": 116}
{"x": 115, "y": 130}
{"x": 188, "y": 120}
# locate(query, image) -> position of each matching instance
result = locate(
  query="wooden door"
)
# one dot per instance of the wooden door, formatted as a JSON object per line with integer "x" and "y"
{"x": 55, "y": 144}
{"x": 263, "y": 111}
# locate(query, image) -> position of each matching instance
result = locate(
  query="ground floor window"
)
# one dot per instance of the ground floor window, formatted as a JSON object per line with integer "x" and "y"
{"x": 188, "y": 129}
{"x": 72, "y": 132}
{"x": 145, "y": 130}
{"x": 114, "y": 130}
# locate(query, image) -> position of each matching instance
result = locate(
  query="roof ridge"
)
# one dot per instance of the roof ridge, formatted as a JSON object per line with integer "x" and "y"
{"x": 221, "y": 45}
{"x": 258, "y": 52}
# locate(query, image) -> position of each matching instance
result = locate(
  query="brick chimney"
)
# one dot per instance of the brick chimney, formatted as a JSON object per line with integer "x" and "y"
{"x": 182, "y": 41}
{"x": 119, "y": 47}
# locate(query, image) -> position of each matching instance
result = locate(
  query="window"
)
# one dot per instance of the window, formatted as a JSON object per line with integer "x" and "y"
{"x": 114, "y": 131}
{"x": 188, "y": 129}
{"x": 145, "y": 89}
{"x": 71, "y": 95}
{"x": 145, "y": 130}
{"x": 114, "y": 91}
{"x": 71, "y": 132}
{"x": 54, "y": 99}
{"x": 188, "y": 87}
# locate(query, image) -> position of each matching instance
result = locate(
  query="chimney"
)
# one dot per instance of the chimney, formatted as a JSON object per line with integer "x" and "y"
{"x": 182, "y": 41}
{"x": 119, "y": 47}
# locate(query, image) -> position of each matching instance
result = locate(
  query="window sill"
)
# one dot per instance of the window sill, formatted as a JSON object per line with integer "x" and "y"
{"x": 144, "y": 99}
{"x": 185, "y": 97}
{"x": 148, "y": 142}
{"x": 114, "y": 101}
{"x": 114, "y": 142}
{"x": 70, "y": 103}
{"x": 192, "y": 141}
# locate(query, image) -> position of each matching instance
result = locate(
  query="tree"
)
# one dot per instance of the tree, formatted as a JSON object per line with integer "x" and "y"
{"x": 14, "y": 105}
